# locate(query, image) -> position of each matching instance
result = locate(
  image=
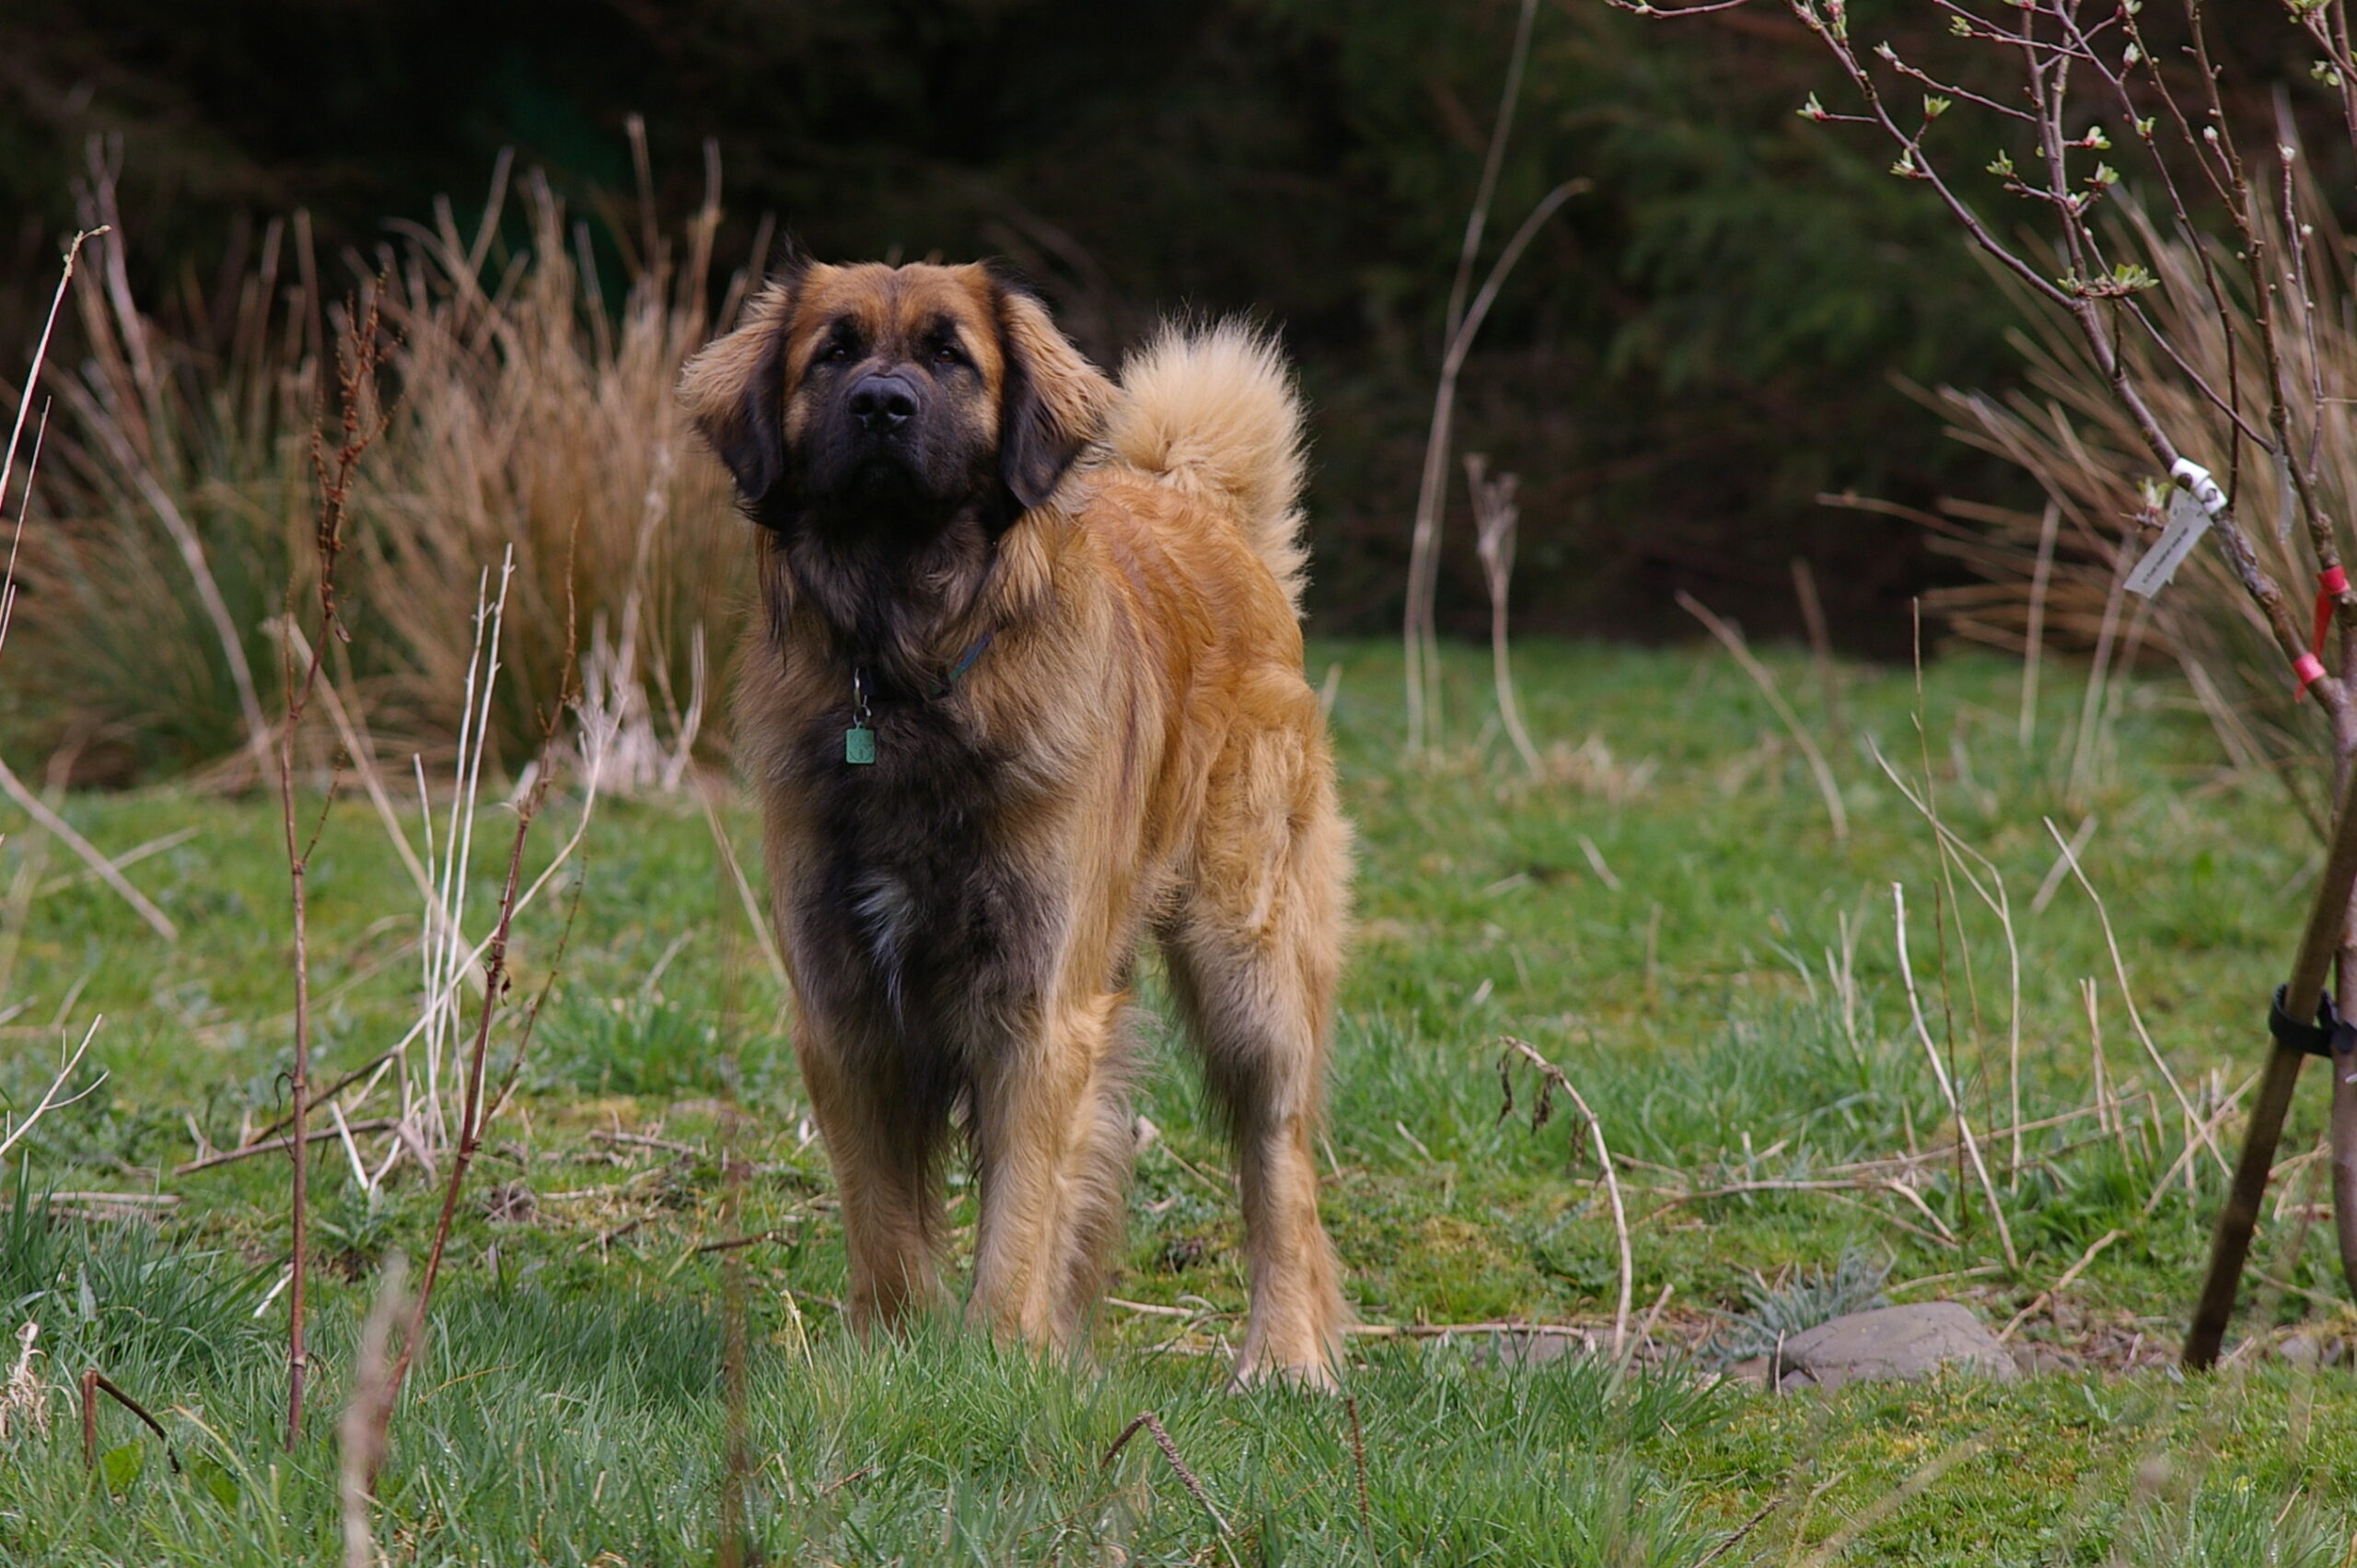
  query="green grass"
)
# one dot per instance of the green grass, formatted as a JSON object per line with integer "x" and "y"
{"x": 569, "y": 1407}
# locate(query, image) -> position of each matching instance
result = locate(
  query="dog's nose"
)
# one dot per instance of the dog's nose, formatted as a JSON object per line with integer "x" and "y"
{"x": 882, "y": 404}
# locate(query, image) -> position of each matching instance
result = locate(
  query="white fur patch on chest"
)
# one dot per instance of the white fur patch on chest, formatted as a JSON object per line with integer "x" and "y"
{"x": 886, "y": 910}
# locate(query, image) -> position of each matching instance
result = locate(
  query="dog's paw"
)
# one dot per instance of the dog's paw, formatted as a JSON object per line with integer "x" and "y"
{"x": 1314, "y": 1373}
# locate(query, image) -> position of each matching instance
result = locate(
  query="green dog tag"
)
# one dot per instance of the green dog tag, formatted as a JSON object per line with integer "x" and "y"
{"x": 859, "y": 744}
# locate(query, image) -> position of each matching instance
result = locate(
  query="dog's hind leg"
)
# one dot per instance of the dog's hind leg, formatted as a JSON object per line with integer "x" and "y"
{"x": 1052, "y": 1142}
{"x": 886, "y": 1155}
{"x": 1254, "y": 956}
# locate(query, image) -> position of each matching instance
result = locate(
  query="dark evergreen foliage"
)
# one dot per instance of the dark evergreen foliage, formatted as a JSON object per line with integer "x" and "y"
{"x": 1691, "y": 354}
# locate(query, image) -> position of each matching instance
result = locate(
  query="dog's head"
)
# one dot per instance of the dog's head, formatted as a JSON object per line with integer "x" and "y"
{"x": 869, "y": 401}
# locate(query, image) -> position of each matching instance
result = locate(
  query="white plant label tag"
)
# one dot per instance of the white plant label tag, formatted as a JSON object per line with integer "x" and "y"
{"x": 2188, "y": 520}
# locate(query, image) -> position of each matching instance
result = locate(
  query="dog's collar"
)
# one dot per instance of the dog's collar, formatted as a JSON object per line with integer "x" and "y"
{"x": 859, "y": 740}
{"x": 956, "y": 672}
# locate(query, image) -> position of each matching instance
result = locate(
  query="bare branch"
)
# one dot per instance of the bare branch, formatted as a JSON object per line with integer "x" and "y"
{"x": 49, "y": 1099}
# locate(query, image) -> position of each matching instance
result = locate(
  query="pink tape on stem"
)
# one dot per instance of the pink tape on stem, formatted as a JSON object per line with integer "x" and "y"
{"x": 2332, "y": 583}
{"x": 2310, "y": 669}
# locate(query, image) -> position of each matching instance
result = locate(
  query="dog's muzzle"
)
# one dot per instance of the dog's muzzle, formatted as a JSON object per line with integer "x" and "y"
{"x": 881, "y": 405}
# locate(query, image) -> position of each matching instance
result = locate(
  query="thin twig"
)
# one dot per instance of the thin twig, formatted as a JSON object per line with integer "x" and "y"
{"x": 736, "y": 1243}
{"x": 1731, "y": 640}
{"x": 735, "y": 1459}
{"x": 100, "y": 866}
{"x": 367, "y": 1414}
{"x": 359, "y": 354}
{"x": 1358, "y": 1459}
{"x": 1153, "y": 1424}
{"x": 1596, "y": 862}
{"x": 1495, "y": 517}
{"x": 48, "y": 1100}
{"x": 1551, "y": 1074}
{"x": 2128, "y": 997}
{"x": 40, "y": 355}
{"x": 2062, "y": 867}
{"x": 129, "y": 857}
{"x": 2192, "y": 1148}
{"x": 1422, "y": 642}
{"x": 1456, "y": 1330}
{"x": 473, "y": 1111}
{"x": 1821, "y": 644}
{"x": 94, "y": 1383}
{"x": 1153, "y": 1309}
{"x": 278, "y": 1145}
{"x": 1838, "y": 1190}
{"x": 16, "y": 539}
{"x": 1897, "y": 1498}
{"x": 1741, "y": 1531}
{"x": 841, "y": 1482}
{"x": 762, "y": 931}
{"x": 643, "y": 1141}
{"x": 2054, "y": 1292}
{"x": 1993, "y": 893}
{"x": 322, "y": 1095}
{"x": 1423, "y": 564}
{"x": 2026, "y": 727}
{"x": 1947, "y": 1089}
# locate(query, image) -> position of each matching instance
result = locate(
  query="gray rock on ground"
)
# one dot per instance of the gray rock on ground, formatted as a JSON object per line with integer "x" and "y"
{"x": 1894, "y": 1343}
{"x": 2312, "y": 1347}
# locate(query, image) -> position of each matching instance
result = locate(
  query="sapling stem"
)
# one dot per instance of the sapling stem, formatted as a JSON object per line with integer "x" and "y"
{"x": 359, "y": 352}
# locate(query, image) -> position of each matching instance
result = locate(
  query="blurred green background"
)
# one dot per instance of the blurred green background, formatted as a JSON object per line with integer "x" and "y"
{"x": 1694, "y": 350}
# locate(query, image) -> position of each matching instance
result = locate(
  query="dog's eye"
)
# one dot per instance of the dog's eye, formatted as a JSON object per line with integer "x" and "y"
{"x": 836, "y": 354}
{"x": 945, "y": 354}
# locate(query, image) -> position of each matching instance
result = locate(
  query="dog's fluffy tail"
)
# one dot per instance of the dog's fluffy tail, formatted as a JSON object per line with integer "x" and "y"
{"x": 1212, "y": 410}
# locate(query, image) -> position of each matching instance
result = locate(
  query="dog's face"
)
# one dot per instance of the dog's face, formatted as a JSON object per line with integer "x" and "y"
{"x": 871, "y": 401}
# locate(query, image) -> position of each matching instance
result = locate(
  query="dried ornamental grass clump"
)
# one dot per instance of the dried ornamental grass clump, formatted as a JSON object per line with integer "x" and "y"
{"x": 2068, "y": 433}
{"x": 527, "y": 418}
{"x": 24, "y": 1398}
{"x": 525, "y": 409}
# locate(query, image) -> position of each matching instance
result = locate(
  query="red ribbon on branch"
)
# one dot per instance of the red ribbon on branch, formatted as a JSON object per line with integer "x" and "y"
{"x": 2332, "y": 583}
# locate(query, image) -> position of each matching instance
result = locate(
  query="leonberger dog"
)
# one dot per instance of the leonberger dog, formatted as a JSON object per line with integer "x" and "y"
{"x": 1025, "y": 688}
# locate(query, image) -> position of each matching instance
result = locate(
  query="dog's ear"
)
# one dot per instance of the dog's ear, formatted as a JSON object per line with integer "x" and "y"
{"x": 734, "y": 390}
{"x": 1051, "y": 401}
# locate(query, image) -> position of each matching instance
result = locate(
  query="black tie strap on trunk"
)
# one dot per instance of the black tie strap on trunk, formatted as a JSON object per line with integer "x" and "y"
{"x": 2329, "y": 1034}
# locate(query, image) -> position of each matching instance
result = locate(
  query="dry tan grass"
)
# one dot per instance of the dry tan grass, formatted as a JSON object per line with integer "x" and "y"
{"x": 525, "y": 405}
{"x": 526, "y": 419}
{"x": 2067, "y": 431}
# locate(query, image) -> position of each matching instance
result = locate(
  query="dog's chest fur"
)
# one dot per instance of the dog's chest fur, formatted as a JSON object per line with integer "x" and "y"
{"x": 914, "y": 918}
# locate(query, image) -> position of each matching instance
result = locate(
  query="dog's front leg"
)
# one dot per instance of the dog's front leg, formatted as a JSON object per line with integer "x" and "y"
{"x": 886, "y": 1173}
{"x": 1052, "y": 1146}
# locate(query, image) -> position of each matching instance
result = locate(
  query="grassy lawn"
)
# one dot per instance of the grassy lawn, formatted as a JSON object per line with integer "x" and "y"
{"x": 1668, "y": 915}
